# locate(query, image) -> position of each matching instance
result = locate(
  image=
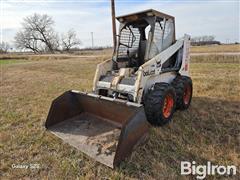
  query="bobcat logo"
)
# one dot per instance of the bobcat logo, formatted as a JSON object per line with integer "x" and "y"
{"x": 148, "y": 73}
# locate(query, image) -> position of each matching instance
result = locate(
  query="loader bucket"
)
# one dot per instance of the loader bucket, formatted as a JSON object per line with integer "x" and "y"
{"x": 101, "y": 127}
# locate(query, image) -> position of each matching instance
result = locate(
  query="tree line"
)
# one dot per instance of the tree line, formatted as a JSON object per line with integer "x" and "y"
{"x": 203, "y": 38}
{"x": 38, "y": 35}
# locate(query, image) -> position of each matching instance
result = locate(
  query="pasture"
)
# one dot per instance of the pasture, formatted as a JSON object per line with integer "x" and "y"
{"x": 207, "y": 131}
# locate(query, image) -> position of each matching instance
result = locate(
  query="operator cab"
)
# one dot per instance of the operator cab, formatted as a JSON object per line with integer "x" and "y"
{"x": 142, "y": 36}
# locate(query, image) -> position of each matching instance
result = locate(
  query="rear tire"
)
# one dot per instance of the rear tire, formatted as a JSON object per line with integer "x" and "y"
{"x": 159, "y": 104}
{"x": 183, "y": 88}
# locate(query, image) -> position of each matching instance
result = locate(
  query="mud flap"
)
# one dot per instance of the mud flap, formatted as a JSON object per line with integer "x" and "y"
{"x": 103, "y": 128}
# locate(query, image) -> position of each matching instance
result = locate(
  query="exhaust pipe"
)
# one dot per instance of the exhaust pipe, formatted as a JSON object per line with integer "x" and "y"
{"x": 105, "y": 129}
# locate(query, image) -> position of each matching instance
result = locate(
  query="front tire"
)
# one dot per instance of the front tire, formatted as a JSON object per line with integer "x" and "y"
{"x": 160, "y": 103}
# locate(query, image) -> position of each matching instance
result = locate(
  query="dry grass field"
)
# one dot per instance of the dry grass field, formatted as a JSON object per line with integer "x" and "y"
{"x": 208, "y": 131}
{"x": 216, "y": 48}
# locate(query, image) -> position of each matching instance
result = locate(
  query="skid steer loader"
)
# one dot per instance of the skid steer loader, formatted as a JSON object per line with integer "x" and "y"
{"x": 143, "y": 83}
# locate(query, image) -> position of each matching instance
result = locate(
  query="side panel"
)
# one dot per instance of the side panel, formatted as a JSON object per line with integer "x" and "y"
{"x": 184, "y": 70}
{"x": 63, "y": 107}
{"x": 164, "y": 77}
{"x": 151, "y": 72}
{"x": 134, "y": 130}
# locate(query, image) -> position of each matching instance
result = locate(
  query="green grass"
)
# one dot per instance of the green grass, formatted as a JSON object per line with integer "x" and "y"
{"x": 10, "y": 61}
{"x": 207, "y": 131}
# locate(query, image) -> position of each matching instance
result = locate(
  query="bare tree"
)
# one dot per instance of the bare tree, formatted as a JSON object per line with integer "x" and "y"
{"x": 37, "y": 34}
{"x": 70, "y": 40}
{"x": 4, "y": 47}
{"x": 24, "y": 40}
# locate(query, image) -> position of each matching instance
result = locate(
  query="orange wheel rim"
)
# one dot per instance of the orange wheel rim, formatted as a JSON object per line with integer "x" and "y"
{"x": 187, "y": 95}
{"x": 168, "y": 105}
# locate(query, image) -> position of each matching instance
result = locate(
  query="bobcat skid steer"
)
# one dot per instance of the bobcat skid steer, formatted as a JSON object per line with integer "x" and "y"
{"x": 143, "y": 83}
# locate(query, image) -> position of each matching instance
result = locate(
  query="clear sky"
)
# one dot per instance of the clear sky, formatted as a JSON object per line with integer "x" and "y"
{"x": 200, "y": 17}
